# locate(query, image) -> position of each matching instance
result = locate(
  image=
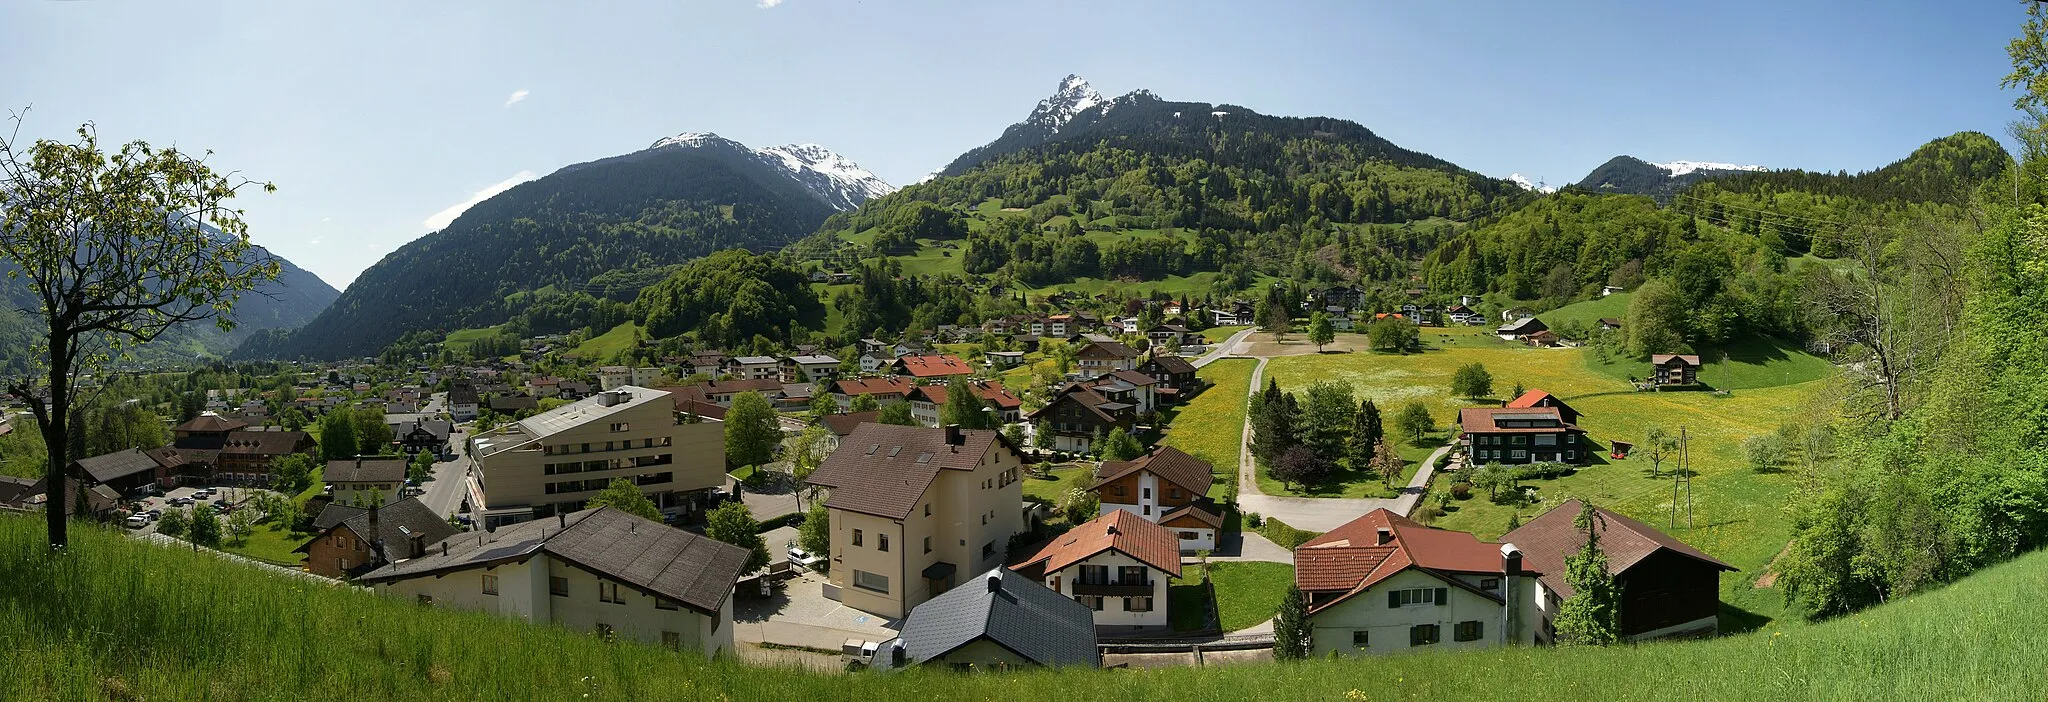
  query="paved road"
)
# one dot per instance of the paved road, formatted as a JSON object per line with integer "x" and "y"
{"x": 1224, "y": 349}
{"x": 450, "y": 485}
{"x": 1317, "y": 513}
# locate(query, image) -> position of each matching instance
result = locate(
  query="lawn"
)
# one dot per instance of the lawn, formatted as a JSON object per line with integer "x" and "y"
{"x": 461, "y": 338}
{"x": 1747, "y": 364}
{"x": 1739, "y": 513}
{"x": 1051, "y": 490}
{"x": 1216, "y": 334}
{"x": 271, "y": 543}
{"x": 1587, "y": 313}
{"x": 610, "y": 344}
{"x": 1211, "y": 425}
{"x": 1249, "y": 592}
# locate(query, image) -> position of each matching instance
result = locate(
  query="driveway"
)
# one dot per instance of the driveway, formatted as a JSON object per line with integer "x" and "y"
{"x": 1225, "y": 348}
{"x": 798, "y": 614}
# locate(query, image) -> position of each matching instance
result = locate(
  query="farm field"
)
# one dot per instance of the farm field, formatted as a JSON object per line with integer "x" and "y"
{"x": 611, "y": 343}
{"x": 1210, "y": 426}
{"x": 1738, "y": 512}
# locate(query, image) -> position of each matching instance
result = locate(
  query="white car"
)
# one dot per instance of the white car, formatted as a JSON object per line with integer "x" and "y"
{"x": 138, "y": 521}
{"x": 803, "y": 558}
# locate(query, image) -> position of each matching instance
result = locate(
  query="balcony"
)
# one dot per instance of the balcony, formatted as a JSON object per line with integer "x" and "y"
{"x": 1142, "y": 589}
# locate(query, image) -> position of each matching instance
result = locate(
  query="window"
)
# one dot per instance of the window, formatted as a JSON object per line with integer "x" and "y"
{"x": 988, "y": 550}
{"x": 1521, "y": 439}
{"x": 1415, "y": 596}
{"x": 558, "y": 587}
{"x": 619, "y": 426}
{"x": 1360, "y": 638}
{"x": 490, "y": 584}
{"x": 927, "y": 509}
{"x": 1137, "y": 604}
{"x": 984, "y": 520}
{"x": 1093, "y": 602}
{"x": 427, "y": 600}
{"x": 1130, "y": 575}
{"x": 1571, "y": 455}
{"x": 1173, "y": 493}
{"x": 870, "y": 581}
{"x": 671, "y": 640}
{"x": 341, "y": 541}
{"x": 856, "y": 537}
{"x": 1144, "y": 493}
{"x": 1117, "y": 490}
{"x": 927, "y": 544}
{"x": 1422, "y": 635}
{"x": 1520, "y": 454}
{"x": 1546, "y": 439}
{"x": 1469, "y": 631}
{"x": 1189, "y": 536}
{"x": 1148, "y": 510}
{"x": 585, "y": 449}
{"x": 1489, "y": 584}
{"x": 664, "y": 603}
{"x": 609, "y": 592}
{"x": 882, "y": 543}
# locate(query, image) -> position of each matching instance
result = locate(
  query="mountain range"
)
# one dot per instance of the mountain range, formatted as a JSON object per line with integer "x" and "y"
{"x": 1629, "y": 175}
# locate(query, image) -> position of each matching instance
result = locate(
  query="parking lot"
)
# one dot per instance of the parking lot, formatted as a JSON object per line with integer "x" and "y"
{"x": 185, "y": 498}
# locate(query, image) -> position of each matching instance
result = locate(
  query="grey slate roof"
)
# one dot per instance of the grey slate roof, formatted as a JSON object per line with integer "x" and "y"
{"x": 651, "y": 557}
{"x": 1025, "y": 617}
{"x": 397, "y": 524}
{"x": 116, "y": 465}
{"x": 883, "y": 469}
{"x": 365, "y": 470}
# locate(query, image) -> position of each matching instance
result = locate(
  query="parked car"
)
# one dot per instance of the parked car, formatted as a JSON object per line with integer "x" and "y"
{"x": 155, "y": 514}
{"x": 181, "y": 502}
{"x": 222, "y": 505}
{"x": 137, "y": 521}
{"x": 803, "y": 558}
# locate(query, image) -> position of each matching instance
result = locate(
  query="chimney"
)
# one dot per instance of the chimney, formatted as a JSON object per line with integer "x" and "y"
{"x": 376, "y": 534}
{"x": 1386, "y": 535}
{"x": 562, "y": 520}
{"x": 419, "y": 546}
{"x": 995, "y": 581}
{"x": 897, "y": 655}
{"x": 1511, "y": 566}
{"x": 444, "y": 548}
{"x": 953, "y": 437}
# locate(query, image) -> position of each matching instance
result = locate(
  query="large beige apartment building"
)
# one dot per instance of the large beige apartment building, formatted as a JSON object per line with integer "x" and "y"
{"x": 552, "y": 462}
{"x": 914, "y": 509}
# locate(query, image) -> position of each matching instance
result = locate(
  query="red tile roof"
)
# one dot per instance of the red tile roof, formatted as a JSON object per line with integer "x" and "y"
{"x": 1531, "y": 398}
{"x": 1351, "y": 559}
{"x": 1121, "y": 531}
{"x": 1170, "y": 464}
{"x": 988, "y": 390}
{"x": 873, "y": 386}
{"x": 1546, "y": 540}
{"x": 934, "y": 365}
{"x": 1484, "y": 419}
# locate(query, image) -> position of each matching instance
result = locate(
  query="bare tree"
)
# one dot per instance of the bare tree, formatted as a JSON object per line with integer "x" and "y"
{"x": 115, "y": 248}
{"x": 1890, "y": 316}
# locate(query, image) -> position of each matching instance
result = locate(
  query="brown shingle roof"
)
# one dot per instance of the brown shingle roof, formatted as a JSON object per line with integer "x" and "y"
{"x": 988, "y": 390}
{"x": 844, "y": 424}
{"x": 1106, "y": 349}
{"x": 873, "y": 386}
{"x": 1485, "y": 419}
{"x": 1170, "y": 464}
{"x": 1351, "y": 559}
{"x": 1658, "y": 359}
{"x": 209, "y": 422}
{"x": 1207, "y": 518}
{"x": 262, "y": 443}
{"x": 1546, "y": 540}
{"x": 1173, "y": 364}
{"x": 884, "y": 469}
{"x": 1121, "y": 531}
{"x": 116, "y": 465}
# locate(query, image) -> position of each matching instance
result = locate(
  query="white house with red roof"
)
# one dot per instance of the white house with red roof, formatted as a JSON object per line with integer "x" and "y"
{"x": 1382, "y": 583}
{"x": 1117, "y": 564}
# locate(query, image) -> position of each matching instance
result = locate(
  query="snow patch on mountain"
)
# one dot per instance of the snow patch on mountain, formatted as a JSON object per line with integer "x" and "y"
{"x": 1526, "y": 184}
{"x": 837, "y": 179}
{"x": 1073, "y": 97}
{"x": 1679, "y": 168}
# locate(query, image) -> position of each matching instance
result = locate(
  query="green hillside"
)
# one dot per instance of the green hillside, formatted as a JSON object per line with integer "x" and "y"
{"x": 141, "y": 622}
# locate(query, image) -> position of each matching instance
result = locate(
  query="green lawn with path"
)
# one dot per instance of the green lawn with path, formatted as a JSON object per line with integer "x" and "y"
{"x": 1053, "y": 488}
{"x": 1249, "y": 592}
{"x": 1211, "y": 425}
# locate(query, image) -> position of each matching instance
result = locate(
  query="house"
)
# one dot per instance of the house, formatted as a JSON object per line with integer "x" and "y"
{"x": 1610, "y": 323}
{"x": 1538, "y": 398}
{"x": 842, "y": 425}
{"x": 229, "y": 450}
{"x": 753, "y": 368}
{"x": 1129, "y": 386}
{"x": 932, "y": 366}
{"x": 1236, "y": 313}
{"x": 600, "y": 570}
{"x": 1126, "y": 325}
{"x": 884, "y": 390}
{"x": 1056, "y": 325}
{"x": 15, "y": 491}
{"x": 364, "y": 480}
{"x": 513, "y": 404}
{"x": 550, "y": 463}
{"x": 876, "y": 361}
{"x": 1001, "y": 621}
{"x": 1514, "y": 313}
{"x": 721, "y": 392}
{"x": 416, "y": 435}
{"x": 1667, "y": 588}
{"x": 1543, "y": 339}
{"x": 351, "y": 541}
{"x": 1606, "y": 290}
{"x": 1513, "y": 436}
{"x": 1117, "y": 564}
{"x": 1340, "y": 319}
{"x": 1343, "y": 296}
{"x": 1383, "y": 584}
{"x": 1106, "y": 356}
{"x": 1171, "y": 335}
{"x": 913, "y": 506}
{"x": 128, "y": 471}
{"x": 462, "y": 401}
{"x": 1675, "y": 369}
{"x": 1460, "y": 314}
{"x": 543, "y": 386}
{"x": 1523, "y": 327}
{"x": 1162, "y": 486}
{"x": 609, "y": 377}
{"x": 1027, "y": 342}
{"x": 809, "y": 369}
{"x": 98, "y": 501}
{"x": 1175, "y": 375}
{"x": 926, "y": 401}
{"x": 1004, "y": 359}
{"x": 1078, "y": 416}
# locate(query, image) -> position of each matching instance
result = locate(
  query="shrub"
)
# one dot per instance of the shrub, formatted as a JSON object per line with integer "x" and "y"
{"x": 1253, "y": 520}
{"x": 1462, "y": 491}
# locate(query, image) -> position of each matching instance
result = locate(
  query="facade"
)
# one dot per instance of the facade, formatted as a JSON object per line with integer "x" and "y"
{"x": 1520, "y": 328}
{"x": 926, "y": 401}
{"x": 753, "y": 368}
{"x": 1163, "y": 485}
{"x": 462, "y": 401}
{"x": 809, "y": 369}
{"x": 1117, "y": 564}
{"x": 354, "y": 540}
{"x": 1175, "y": 375}
{"x": 127, "y": 471}
{"x": 1004, "y": 359}
{"x": 913, "y": 507}
{"x": 999, "y": 621}
{"x": 600, "y": 571}
{"x": 884, "y": 390}
{"x": 1512, "y": 436}
{"x": 1667, "y": 587}
{"x": 1078, "y": 416}
{"x": 1384, "y": 584}
{"x": 363, "y": 481}
{"x": 1675, "y": 369}
{"x": 552, "y": 462}
{"x": 1105, "y": 356}
{"x": 1138, "y": 389}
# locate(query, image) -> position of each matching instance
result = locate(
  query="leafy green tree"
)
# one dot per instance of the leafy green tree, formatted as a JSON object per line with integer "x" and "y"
{"x": 808, "y": 451}
{"x": 1387, "y": 462}
{"x": 965, "y": 408}
{"x": 1278, "y": 319}
{"x": 113, "y": 249}
{"x": 751, "y": 430}
{"x": 338, "y": 435}
{"x": 1320, "y": 331}
{"x": 372, "y": 434}
{"x": 1493, "y": 478}
{"x": 421, "y": 468}
{"x": 1043, "y": 436}
{"x": 733, "y": 524}
{"x": 1658, "y": 445}
{"x": 205, "y": 527}
{"x": 1079, "y": 505}
{"x": 1015, "y": 434}
{"x": 292, "y": 473}
{"x": 898, "y": 413}
{"x": 1391, "y": 334}
{"x": 1300, "y": 465}
{"x": 1472, "y": 381}
{"x": 1415, "y": 422}
{"x": 814, "y": 536}
{"x": 624, "y": 496}
{"x": 864, "y": 403}
{"x": 1764, "y": 451}
{"x": 1589, "y": 617}
{"x": 822, "y": 405}
{"x": 1274, "y": 423}
{"x": 1657, "y": 318}
{"x": 1292, "y": 637}
{"x": 1121, "y": 446}
{"x": 240, "y": 524}
{"x": 175, "y": 523}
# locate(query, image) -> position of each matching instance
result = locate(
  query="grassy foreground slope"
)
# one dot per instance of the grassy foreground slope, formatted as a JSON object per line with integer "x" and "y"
{"x": 143, "y": 622}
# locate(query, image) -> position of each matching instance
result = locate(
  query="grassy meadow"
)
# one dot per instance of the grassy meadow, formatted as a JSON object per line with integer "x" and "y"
{"x": 605, "y": 346}
{"x": 141, "y": 622}
{"x": 1211, "y": 425}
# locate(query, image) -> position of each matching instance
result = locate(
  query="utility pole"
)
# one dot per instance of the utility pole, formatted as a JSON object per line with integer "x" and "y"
{"x": 1685, "y": 455}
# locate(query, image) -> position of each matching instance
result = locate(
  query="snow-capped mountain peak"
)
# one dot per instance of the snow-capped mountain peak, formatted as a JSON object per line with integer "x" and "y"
{"x": 1526, "y": 184}
{"x": 1679, "y": 168}
{"x": 1074, "y": 96}
{"x": 837, "y": 179}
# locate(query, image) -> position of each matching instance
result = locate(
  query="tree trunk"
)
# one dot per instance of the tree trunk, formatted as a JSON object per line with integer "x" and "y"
{"x": 55, "y": 418}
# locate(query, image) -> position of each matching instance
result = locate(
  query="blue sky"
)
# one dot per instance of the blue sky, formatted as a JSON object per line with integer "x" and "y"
{"x": 374, "y": 117}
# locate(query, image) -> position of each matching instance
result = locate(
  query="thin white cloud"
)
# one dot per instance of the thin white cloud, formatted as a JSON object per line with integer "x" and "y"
{"x": 326, "y": 219}
{"x": 316, "y": 240}
{"x": 442, "y": 219}
{"x": 765, "y": 4}
{"x": 518, "y": 95}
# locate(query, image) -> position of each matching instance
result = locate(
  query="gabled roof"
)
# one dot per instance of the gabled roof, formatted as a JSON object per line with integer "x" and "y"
{"x": 934, "y": 365}
{"x": 844, "y": 424}
{"x": 1351, "y": 558}
{"x": 398, "y": 524}
{"x": 365, "y": 470}
{"x": 1131, "y": 377}
{"x": 247, "y": 442}
{"x": 1532, "y": 398}
{"x": 1122, "y": 531}
{"x": 989, "y": 391}
{"x": 884, "y": 469}
{"x": 1106, "y": 349}
{"x": 651, "y": 557}
{"x": 1170, "y": 464}
{"x": 1207, "y": 518}
{"x": 1549, "y": 538}
{"x": 1525, "y": 325}
{"x": 1099, "y": 406}
{"x": 873, "y": 386}
{"x": 1487, "y": 419}
{"x": 1658, "y": 359}
{"x": 1026, "y": 618}
{"x": 208, "y": 422}
{"x": 1172, "y": 364}
{"x": 117, "y": 465}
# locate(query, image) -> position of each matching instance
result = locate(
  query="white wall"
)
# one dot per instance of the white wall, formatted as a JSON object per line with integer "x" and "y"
{"x": 1113, "y": 612}
{"x": 1388, "y": 628}
{"x": 523, "y": 593}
